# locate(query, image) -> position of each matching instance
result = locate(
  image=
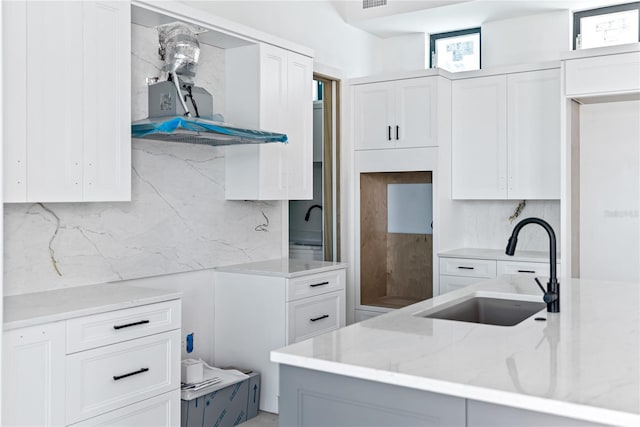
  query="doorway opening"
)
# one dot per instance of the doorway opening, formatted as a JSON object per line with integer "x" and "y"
{"x": 314, "y": 225}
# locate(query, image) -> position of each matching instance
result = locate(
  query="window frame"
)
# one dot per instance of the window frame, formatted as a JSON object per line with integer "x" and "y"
{"x": 434, "y": 37}
{"x": 602, "y": 11}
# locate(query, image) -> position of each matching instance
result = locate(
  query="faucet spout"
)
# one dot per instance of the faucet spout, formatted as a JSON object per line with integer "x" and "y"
{"x": 552, "y": 294}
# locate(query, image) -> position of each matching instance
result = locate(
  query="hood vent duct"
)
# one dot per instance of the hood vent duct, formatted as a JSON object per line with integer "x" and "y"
{"x": 170, "y": 117}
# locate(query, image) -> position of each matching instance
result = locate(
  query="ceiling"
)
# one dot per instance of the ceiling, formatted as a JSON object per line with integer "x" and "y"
{"x": 400, "y": 17}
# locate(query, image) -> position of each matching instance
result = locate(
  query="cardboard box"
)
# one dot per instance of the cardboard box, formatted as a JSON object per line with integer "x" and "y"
{"x": 225, "y": 407}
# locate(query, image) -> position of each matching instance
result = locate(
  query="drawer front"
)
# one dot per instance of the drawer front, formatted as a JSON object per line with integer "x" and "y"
{"x": 88, "y": 332}
{"x": 468, "y": 267}
{"x": 315, "y": 284}
{"x": 314, "y": 316}
{"x": 603, "y": 74}
{"x": 453, "y": 283}
{"x": 107, "y": 378}
{"x": 159, "y": 411}
{"x": 525, "y": 268}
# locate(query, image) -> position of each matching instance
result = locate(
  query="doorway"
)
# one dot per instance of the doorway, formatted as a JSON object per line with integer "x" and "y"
{"x": 314, "y": 225}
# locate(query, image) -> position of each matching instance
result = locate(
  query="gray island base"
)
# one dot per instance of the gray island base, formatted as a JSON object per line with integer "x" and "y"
{"x": 310, "y": 398}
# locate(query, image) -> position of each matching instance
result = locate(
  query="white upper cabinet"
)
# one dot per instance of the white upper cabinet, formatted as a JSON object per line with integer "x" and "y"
{"x": 271, "y": 89}
{"x": 533, "y": 129}
{"x": 396, "y": 114}
{"x": 67, "y": 101}
{"x": 506, "y": 136}
{"x": 479, "y": 138}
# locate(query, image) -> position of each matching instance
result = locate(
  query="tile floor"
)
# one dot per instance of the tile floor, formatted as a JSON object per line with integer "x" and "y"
{"x": 263, "y": 419}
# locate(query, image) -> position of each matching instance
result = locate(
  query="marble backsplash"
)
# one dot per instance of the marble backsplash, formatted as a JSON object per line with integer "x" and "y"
{"x": 177, "y": 221}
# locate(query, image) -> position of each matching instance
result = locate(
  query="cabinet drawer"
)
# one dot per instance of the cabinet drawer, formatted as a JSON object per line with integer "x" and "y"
{"x": 468, "y": 267}
{"x": 314, "y": 316}
{"x": 159, "y": 411}
{"x": 603, "y": 74}
{"x": 315, "y": 284}
{"x": 116, "y": 326}
{"x": 453, "y": 283}
{"x": 107, "y": 378}
{"x": 526, "y": 268}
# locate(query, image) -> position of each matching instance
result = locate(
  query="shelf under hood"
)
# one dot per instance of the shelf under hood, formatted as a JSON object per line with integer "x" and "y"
{"x": 201, "y": 131}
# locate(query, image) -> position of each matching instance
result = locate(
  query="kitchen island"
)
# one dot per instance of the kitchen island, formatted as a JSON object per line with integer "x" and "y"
{"x": 577, "y": 367}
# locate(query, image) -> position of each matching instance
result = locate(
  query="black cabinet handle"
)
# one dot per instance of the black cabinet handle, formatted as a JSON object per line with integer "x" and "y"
{"x": 466, "y": 268}
{"x": 319, "y": 318}
{"x": 527, "y": 271}
{"x": 397, "y": 132}
{"x": 389, "y": 132}
{"x": 119, "y": 377}
{"x": 142, "y": 322}
{"x": 319, "y": 284}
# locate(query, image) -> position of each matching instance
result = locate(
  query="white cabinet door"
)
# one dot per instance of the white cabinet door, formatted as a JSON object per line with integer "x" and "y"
{"x": 416, "y": 113}
{"x": 374, "y": 120}
{"x": 299, "y": 150}
{"x": 533, "y": 131}
{"x": 271, "y": 89}
{"x": 479, "y": 138}
{"x": 33, "y": 376}
{"x": 68, "y": 101}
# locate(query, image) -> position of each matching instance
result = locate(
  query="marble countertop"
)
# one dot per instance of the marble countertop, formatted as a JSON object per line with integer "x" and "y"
{"x": 61, "y": 304}
{"x": 497, "y": 254}
{"x": 283, "y": 267}
{"x": 583, "y": 362}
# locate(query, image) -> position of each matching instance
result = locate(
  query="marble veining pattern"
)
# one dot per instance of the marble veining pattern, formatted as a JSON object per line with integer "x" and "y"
{"x": 177, "y": 221}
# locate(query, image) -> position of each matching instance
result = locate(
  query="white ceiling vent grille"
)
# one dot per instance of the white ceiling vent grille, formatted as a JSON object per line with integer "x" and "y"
{"x": 367, "y": 4}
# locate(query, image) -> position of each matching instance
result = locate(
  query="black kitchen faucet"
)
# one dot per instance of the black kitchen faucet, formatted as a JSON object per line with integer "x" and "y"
{"x": 552, "y": 294}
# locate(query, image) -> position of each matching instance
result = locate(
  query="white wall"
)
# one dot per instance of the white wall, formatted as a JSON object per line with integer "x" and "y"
{"x": 527, "y": 39}
{"x": 315, "y": 24}
{"x": 402, "y": 53}
{"x": 610, "y": 191}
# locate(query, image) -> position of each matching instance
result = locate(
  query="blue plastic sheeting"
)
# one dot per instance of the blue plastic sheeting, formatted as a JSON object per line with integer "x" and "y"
{"x": 147, "y": 128}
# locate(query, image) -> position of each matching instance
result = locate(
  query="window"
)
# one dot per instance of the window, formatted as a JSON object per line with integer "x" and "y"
{"x": 456, "y": 50}
{"x": 606, "y": 26}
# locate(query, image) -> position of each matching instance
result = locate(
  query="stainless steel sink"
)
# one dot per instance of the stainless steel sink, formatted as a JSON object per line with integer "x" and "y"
{"x": 487, "y": 310}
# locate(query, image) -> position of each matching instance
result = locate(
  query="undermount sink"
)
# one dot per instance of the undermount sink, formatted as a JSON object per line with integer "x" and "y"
{"x": 487, "y": 310}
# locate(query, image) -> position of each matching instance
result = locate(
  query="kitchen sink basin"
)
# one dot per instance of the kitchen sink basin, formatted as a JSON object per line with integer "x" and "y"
{"x": 487, "y": 310}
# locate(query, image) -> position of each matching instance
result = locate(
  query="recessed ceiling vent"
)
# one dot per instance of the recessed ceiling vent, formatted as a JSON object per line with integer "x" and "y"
{"x": 368, "y": 4}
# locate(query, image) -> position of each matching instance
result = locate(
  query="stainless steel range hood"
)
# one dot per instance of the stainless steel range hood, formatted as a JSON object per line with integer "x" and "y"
{"x": 169, "y": 117}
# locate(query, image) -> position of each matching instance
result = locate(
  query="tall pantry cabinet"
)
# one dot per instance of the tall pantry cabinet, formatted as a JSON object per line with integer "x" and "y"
{"x": 67, "y": 101}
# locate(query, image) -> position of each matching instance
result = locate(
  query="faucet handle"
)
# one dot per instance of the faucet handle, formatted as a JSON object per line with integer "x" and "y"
{"x": 544, "y": 291}
{"x": 548, "y": 297}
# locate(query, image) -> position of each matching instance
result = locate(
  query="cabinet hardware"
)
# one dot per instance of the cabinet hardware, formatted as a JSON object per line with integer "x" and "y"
{"x": 319, "y": 318}
{"x": 142, "y": 322}
{"x": 527, "y": 271}
{"x": 397, "y": 132}
{"x": 319, "y": 284}
{"x": 466, "y": 268}
{"x": 389, "y": 132}
{"x": 119, "y": 377}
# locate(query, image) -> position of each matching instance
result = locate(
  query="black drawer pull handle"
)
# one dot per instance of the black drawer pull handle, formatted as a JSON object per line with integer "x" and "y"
{"x": 319, "y": 284}
{"x": 397, "y": 132}
{"x": 389, "y": 132}
{"x": 466, "y": 268}
{"x": 319, "y": 318}
{"x": 119, "y": 377}
{"x": 527, "y": 271}
{"x": 142, "y": 322}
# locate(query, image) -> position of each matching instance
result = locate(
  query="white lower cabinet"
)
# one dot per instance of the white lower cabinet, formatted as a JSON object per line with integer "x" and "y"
{"x": 256, "y": 313}
{"x": 457, "y": 273}
{"x": 115, "y": 368}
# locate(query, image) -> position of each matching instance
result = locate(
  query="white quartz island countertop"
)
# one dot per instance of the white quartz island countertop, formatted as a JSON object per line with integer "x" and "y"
{"x": 61, "y": 304}
{"x": 582, "y": 363}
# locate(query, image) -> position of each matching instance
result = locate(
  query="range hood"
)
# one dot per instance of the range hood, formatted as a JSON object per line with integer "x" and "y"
{"x": 200, "y": 131}
{"x": 170, "y": 119}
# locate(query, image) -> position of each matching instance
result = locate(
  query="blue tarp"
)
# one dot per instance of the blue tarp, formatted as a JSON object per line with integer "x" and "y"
{"x": 170, "y": 125}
